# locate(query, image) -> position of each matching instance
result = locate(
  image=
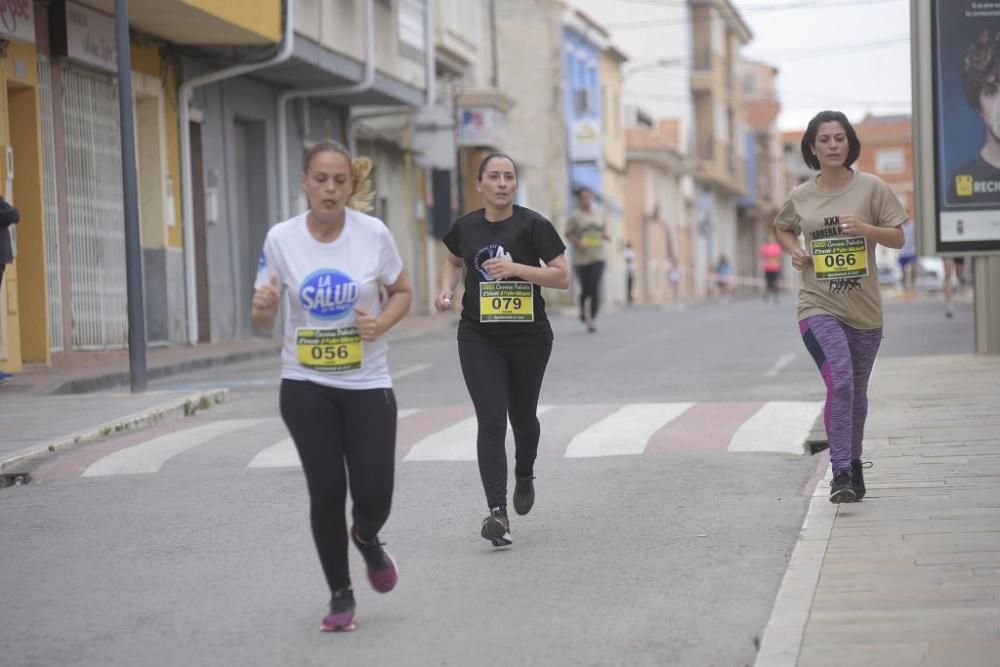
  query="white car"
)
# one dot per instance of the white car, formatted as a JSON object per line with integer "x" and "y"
{"x": 929, "y": 274}
{"x": 889, "y": 274}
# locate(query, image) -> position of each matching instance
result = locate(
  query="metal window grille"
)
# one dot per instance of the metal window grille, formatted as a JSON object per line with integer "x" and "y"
{"x": 52, "y": 270}
{"x": 96, "y": 217}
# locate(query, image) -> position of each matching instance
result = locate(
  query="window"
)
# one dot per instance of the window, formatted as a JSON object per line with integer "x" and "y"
{"x": 890, "y": 161}
{"x": 410, "y": 28}
{"x": 581, "y": 101}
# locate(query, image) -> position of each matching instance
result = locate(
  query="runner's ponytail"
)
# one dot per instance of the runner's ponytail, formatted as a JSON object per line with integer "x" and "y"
{"x": 363, "y": 197}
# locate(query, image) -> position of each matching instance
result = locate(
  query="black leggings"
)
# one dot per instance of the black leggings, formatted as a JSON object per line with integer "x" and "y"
{"x": 589, "y": 276}
{"x": 332, "y": 427}
{"x": 504, "y": 381}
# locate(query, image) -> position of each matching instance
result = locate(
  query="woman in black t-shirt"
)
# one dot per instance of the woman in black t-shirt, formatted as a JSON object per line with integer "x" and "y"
{"x": 504, "y": 339}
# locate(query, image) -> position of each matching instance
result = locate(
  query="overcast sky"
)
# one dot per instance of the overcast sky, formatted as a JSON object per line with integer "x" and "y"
{"x": 855, "y": 57}
{"x": 851, "y": 55}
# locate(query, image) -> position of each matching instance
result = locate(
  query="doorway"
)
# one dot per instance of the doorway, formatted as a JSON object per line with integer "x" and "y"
{"x": 251, "y": 223}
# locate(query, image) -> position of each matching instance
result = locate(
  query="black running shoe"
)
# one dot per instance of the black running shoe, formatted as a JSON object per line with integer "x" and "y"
{"x": 496, "y": 527}
{"x": 341, "y": 616}
{"x": 858, "y": 478}
{"x": 382, "y": 571}
{"x": 524, "y": 495}
{"x": 841, "y": 490}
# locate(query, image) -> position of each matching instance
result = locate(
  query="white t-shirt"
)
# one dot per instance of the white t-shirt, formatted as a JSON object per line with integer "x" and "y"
{"x": 324, "y": 283}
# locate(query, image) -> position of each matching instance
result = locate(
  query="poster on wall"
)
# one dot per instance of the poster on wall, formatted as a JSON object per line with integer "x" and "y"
{"x": 966, "y": 56}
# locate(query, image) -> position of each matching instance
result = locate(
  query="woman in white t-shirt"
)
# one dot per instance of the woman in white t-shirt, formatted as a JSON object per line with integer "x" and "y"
{"x": 842, "y": 214}
{"x": 336, "y": 394}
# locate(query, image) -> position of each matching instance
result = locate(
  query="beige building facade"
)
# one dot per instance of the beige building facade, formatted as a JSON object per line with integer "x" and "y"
{"x": 718, "y": 33}
{"x": 657, "y": 214}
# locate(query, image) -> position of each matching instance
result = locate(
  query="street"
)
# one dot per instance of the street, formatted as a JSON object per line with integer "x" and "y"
{"x": 671, "y": 490}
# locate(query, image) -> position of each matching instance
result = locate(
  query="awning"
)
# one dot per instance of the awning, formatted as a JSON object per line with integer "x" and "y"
{"x": 203, "y": 22}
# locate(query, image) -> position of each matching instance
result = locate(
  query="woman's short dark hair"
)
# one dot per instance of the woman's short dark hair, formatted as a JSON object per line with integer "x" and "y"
{"x": 981, "y": 67}
{"x": 809, "y": 138}
{"x": 486, "y": 161}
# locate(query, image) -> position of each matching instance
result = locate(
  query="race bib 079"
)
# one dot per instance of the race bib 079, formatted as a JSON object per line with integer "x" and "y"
{"x": 837, "y": 258}
{"x": 329, "y": 350}
{"x": 506, "y": 301}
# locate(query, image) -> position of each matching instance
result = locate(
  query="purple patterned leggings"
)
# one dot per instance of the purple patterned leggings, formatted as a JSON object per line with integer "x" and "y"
{"x": 845, "y": 357}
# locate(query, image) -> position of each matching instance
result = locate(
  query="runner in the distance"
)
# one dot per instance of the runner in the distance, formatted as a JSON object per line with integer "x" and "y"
{"x": 504, "y": 339}
{"x": 842, "y": 213}
{"x": 588, "y": 230}
{"x": 336, "y": 394}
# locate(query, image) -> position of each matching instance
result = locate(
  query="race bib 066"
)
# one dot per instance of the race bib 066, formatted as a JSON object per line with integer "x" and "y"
{"x": 840, "y": 257}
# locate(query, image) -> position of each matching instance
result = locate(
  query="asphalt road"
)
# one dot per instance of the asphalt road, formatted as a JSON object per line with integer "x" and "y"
{"x": 669, "y": 554}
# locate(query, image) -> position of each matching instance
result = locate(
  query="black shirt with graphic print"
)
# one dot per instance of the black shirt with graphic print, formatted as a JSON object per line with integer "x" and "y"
{"x": 527, "y": 237}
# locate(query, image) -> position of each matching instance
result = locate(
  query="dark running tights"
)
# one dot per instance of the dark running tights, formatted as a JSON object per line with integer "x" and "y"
{"x": 504, "y": 381}
{"x": 589, "y": 276}
{"x": 342, "y": 435}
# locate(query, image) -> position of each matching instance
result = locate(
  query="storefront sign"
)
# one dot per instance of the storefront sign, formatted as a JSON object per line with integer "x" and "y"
{"x": 481, "y": 126}
{"x": 84, "y": 35}
{"x": 585, "y": 142}
{"x": 17, "y": 20}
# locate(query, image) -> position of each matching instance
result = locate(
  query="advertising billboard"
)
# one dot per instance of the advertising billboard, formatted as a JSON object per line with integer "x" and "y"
{"x": 965, "y": 58}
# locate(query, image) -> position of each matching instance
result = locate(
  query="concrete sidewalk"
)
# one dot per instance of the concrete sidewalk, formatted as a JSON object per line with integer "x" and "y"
{"x": 86, "y": 396}
{"x": 911, "y": 575}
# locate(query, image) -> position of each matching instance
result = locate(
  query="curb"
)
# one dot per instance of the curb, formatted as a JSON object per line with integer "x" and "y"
{"x": 184, "y": 406}
{"x": 782, "y": 638}
{"x": 96, "y": 383}
{"x": 86, "y": 385}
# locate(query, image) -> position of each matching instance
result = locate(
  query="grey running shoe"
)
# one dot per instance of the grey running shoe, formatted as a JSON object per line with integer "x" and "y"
{"x": 496, "y": 527}
{"x": 524, "y": 495}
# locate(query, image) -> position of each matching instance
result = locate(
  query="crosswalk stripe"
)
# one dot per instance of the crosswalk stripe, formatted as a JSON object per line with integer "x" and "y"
{"x": 448, "y": 433}
{"x": 779, "y": 426}
{"x": 703, "y": 428}
{"x": 283, "y": 454}
{"x": 455, "y": 443}
{"x": 151, "y": 455}
{"x": 626, "y": 431}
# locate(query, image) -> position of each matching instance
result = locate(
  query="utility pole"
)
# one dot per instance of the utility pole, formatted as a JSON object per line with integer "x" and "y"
{"x": 130, "y": 197}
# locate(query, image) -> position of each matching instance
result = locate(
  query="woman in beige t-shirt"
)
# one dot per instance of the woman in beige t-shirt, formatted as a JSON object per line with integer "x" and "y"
{"x": 842, "y": 214}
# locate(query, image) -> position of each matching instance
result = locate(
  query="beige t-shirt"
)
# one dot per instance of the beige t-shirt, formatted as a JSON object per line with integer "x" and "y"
{"x": 842, "y": 279}
{"x": 588, "y": 228}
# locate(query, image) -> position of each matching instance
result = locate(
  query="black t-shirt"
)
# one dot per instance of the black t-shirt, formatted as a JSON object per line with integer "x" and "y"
{"x": 527, "y": 237}
{"x": 975, "y": 182}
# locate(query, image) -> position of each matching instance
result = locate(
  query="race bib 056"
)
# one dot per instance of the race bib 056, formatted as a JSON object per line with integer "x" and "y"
{"x": 329, "y": 350}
